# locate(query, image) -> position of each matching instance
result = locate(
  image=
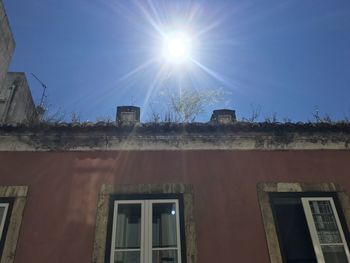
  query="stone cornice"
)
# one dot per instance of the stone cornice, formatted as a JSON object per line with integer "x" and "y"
{"x": 188, "y": 138}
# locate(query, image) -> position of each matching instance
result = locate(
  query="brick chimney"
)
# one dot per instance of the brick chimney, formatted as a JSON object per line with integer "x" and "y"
{"x": 128, "y": 115}
{"x": 223, "y": 117}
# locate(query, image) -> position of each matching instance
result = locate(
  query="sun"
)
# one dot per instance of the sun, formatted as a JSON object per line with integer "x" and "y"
{"x": 176, "y": 47}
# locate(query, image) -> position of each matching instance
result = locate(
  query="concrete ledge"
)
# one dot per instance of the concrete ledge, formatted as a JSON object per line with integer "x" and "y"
{"x": 91, "y": 140}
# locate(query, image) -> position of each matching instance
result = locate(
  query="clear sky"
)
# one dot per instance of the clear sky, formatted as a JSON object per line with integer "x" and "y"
{"x": 284, "y": 57}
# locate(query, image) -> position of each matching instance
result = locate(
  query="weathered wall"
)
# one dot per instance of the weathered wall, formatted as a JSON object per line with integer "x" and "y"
{"x": 17, "y": 105}
{"x": 59, "y": 217}
{"x": 7, "y": 45}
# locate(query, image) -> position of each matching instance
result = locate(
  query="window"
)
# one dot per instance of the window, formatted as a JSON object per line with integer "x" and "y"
{"x": 12, "y": 203}
{"x": 5, "y": 207}
{"x": 309, "y": 228}
{"x": 146, "y": 231}
{"x": 145, "y": 223}
{"x": 326, "y": 231}
{"x": 305, "y": 223}
{"x": 3, "y": 213}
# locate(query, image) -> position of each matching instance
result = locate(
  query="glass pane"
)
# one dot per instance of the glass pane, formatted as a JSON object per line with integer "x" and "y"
{"x": 128, "y": 234}
{"x": 326, "y": 225}
{"x": 334, "y": 254}
{"x": 2, "y": 212}
{"x": 164, "y": 225}
{"x": 164, "y": 256}
{"x": 127, "y": 257}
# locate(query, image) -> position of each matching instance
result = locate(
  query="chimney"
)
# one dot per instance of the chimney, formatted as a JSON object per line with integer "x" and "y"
{"x": 223, "y": 117}
{"x": 128, "y": 115}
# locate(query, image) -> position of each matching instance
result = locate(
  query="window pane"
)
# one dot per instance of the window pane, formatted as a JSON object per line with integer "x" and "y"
{"x": 164, "y": 225}
{"x": 326, "y": 225}
{"x": 2, "y": 219}
{"x": 334, "y": 254}
{"x": 127, "y": 257}
{"x": 2, "y": 212}
{"x": 164, "y": 256}
{"x": 128, "y": 234}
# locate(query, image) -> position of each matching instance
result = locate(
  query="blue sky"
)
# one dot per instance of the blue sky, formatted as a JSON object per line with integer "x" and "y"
{"x": 284, "y": 57}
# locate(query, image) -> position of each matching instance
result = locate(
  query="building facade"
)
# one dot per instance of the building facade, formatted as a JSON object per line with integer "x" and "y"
{"x": 126, "y": 192}
{"x": 16, "y": 102}
{"x": 7, "y": 44}
{"x": 176, "y": 193}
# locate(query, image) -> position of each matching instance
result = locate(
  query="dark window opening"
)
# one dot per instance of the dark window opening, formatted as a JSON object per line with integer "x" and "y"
{"x": 295, "y": 240}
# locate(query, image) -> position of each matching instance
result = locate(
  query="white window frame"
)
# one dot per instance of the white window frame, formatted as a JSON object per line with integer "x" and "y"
{"x": 313, "y": 231}
{"x": 3, "y": 219}
{"x": 146, "y": 247}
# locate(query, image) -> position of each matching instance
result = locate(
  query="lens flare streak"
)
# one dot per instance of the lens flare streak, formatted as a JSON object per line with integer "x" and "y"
{"x": 173, "y": 44}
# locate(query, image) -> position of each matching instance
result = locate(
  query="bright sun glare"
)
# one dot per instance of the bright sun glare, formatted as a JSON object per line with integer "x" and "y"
{"x": 176, "y": 47}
